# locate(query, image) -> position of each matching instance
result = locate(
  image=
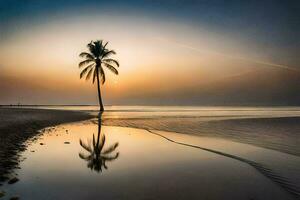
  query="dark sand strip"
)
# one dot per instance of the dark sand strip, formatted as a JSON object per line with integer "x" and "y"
{"x": 17, "y": 125}
{"x": 269, "y": 173}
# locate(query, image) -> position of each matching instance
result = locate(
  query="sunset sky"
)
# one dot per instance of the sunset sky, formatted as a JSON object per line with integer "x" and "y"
{"x": 168, "y": 50}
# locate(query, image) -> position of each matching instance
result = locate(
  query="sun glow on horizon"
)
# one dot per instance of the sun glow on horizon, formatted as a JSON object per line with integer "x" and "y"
{"x": 47, "y": 56}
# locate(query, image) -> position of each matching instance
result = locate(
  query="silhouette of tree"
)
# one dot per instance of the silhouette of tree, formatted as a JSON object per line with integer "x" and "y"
{"x": 98, "y": 155}
{"x": 97, "y": 58}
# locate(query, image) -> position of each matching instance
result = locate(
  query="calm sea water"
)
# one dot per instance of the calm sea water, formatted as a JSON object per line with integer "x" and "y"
{"x": 185, "y": 111}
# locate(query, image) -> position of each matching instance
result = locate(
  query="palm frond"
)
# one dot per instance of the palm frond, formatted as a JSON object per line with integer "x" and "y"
{"x": 89, "y": 74}
{"x": 84, "y": 156}
{"x": 86, "y": 55}
{"x": 91, "y": 48}
{"x": 103, "y": 48}
{"x": 85, "y": 62}
{"x": 110, "y": 158}
{"x": 111, "y": 61}
{"x": 104, "y": 165}
{"x": 94, "y": 76}
{"x": 111, "y": 68}
{"x": 85, "y": 70}
{"x": 107, "y": 53}
{"x": 87, "y": 147}
{"x": 110, "y": 148}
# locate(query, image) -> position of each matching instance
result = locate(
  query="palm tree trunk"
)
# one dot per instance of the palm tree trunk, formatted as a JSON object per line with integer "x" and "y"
{"x": 99, "y": 127}
{"x": 99, "y": 92}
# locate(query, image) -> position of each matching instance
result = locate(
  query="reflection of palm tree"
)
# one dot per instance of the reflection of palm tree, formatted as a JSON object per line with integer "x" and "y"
{"x": 98, "y": 155}
{"x": 97, "y": 58}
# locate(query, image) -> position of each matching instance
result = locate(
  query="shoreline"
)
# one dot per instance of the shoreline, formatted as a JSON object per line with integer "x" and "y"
{"x": 18, "y": 125}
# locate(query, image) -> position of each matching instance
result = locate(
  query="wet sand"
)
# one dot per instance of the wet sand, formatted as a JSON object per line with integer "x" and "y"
{"x": 278, "y": 133}
{"x": 17, "y": 125}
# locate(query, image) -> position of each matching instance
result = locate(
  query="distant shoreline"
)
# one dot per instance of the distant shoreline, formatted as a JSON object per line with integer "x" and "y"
{"x": 229, "y": 105}
{"x": 151, "y": 108}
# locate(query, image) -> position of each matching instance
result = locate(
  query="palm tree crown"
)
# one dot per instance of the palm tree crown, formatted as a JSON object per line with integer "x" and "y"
{"x": 98, "y": 156}
{"x": 97, "y": 57}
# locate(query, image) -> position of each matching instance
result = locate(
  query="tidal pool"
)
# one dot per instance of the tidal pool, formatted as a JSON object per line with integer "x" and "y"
{"x": 86, "y": 161}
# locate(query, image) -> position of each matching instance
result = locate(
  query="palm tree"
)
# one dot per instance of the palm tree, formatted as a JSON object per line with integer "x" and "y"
{"x": 97, "y": 155}
{"x": 97, "y": 58}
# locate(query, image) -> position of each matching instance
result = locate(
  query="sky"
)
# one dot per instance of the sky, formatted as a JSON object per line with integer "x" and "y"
{"x": 170, "y": 52}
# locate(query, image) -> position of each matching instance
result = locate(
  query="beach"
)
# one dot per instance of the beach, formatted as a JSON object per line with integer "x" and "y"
{"x": 18, "y": 125}
{"x": 158, "y": 153}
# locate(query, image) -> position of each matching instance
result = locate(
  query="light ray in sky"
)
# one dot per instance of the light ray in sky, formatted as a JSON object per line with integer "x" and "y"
{"x": 228, "y": 56}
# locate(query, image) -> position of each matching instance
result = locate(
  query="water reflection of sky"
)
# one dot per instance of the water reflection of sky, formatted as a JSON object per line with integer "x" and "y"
{"x": 148, "y": 168}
